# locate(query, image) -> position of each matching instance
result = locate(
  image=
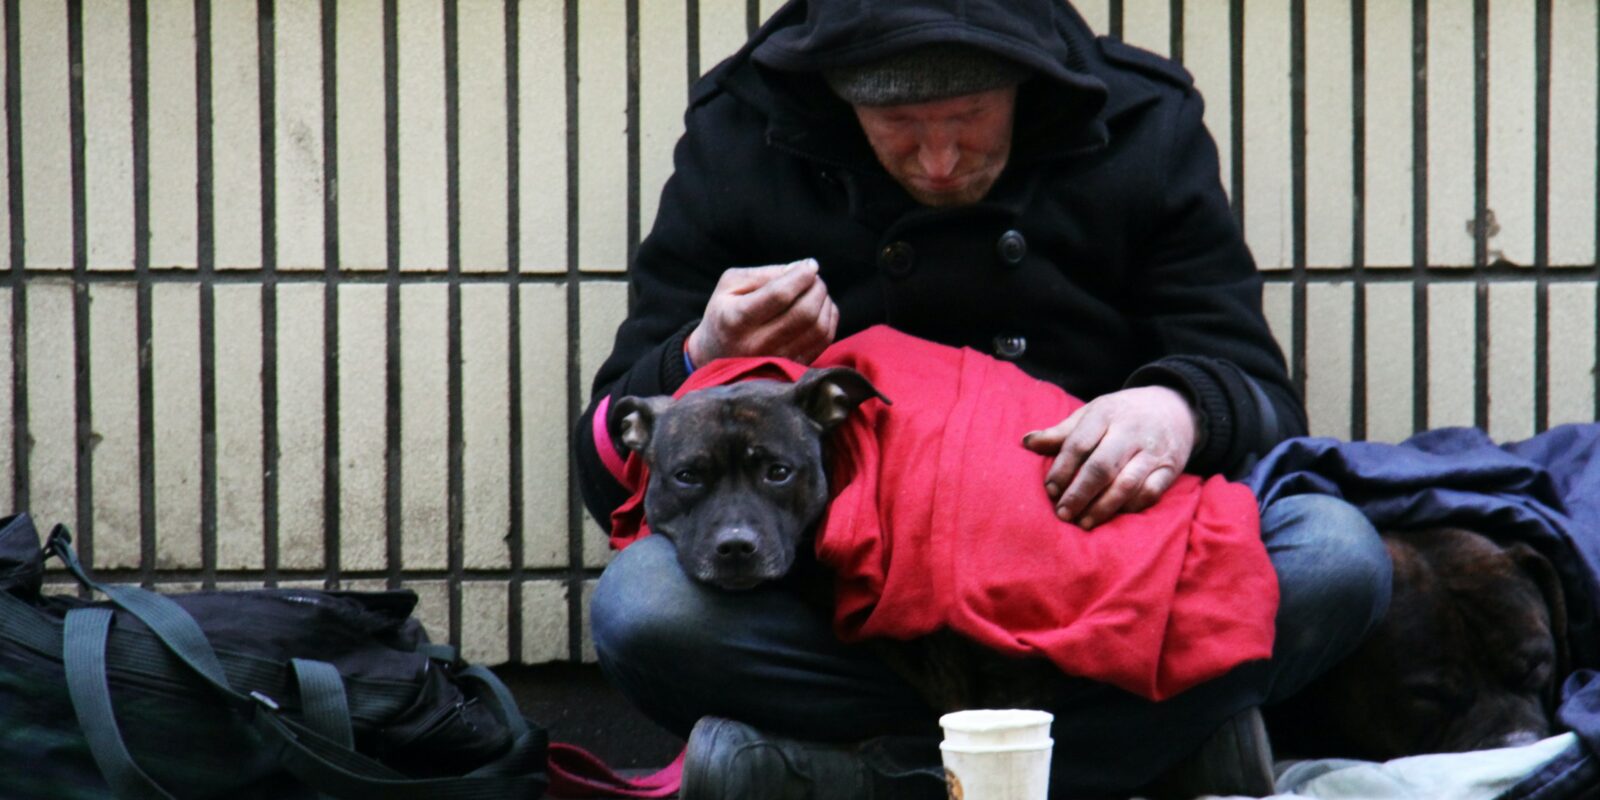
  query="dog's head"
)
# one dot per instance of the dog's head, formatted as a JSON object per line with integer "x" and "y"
{"x": 1469, "y": 656}
{"x": 736, "y": 472}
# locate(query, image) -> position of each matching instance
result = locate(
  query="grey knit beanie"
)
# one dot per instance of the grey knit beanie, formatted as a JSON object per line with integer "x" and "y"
{"x": 929, "y": 72}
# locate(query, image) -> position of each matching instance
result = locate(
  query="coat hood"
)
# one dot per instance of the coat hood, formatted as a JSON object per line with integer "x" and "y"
{"x": 1063, "y": 108}
{"x": 1046, "y": 36}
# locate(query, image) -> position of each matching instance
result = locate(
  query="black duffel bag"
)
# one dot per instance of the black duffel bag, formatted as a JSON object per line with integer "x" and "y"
{"x": 269, "y": 693}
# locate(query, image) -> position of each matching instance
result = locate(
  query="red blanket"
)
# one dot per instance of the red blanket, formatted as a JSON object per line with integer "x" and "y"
{"x": 939, "y": 519}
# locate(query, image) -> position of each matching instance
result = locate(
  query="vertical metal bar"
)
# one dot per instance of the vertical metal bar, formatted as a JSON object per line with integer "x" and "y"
{"x": 514, "y": 622}
{"x": 1236, "y": 80}
{"x": 692, "y": 41}
{"x": 1175, "y": 43}
{"x": 575, "y": 339}
{"x": 394, "y": 463}
{"x": 139, "y": 30}
{"x": 632, "y": 23}
{"x": 1358, "y": 217}
{"x": 205, "y": 229}
{"x": 18, "y": 272}
{"x": 1541, "y": 216}
{"x": 1419, "y": 216}
{"x": 452, "y": 145}
{"x": 269, "y": 286}
{"x": 1297, "y": 160}
{"x": 332, "y": 478}
{"x": 80, "y": 295}
{"x": 1480, "y": 216}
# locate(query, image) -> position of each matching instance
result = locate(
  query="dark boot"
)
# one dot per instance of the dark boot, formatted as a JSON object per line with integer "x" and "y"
{"x": 729, "y": 760}
{"x": 1236, "y": 760}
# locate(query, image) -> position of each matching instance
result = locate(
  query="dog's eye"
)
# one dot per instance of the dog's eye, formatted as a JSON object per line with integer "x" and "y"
{"x": 1535, "y": 675}
{"x": 779, "y": 473}
{"x": 688, "y": 477}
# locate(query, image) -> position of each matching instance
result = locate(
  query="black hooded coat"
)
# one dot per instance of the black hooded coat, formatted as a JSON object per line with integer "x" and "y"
{"x": 1105, "y": 256}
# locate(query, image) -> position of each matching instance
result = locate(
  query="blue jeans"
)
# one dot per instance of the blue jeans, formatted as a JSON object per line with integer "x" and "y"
{"x": 680, "y": 650}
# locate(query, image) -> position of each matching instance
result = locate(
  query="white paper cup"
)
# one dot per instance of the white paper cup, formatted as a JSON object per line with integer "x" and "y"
{"x": 997, "y": 754}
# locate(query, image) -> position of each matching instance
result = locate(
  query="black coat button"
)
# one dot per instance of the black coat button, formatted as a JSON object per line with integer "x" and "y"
{"x": 1011, "y": 248}
{"x": 897, "y": 259}
{"x": 1010, "y": 346}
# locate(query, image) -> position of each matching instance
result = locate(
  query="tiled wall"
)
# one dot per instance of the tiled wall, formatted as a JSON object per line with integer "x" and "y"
{"x": 308, "y": 291}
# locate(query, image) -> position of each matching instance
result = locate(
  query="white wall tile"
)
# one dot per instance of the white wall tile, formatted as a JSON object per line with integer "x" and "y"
{"x": 545, "y": 622}
{"x": 302, "y": 434}
{"x": 1572, "y": 331}
{"x": 1452, "y": 354}
{"x": 424, "y": 212}
{"x": 1330, "y": 130}
{"x": 175, "y": 378}
{"x": 173, "y": 135}
{"x": 603, "y": 135}
{"x": 363, "y": 427}
{"x": 1390, "y": 174}
{"x": 481, "y": 70}
{"x": 1391, "y": 362}
{"x": 1329, "y": 367}
{"x": 484, "y": 612}
{"x": 1452, "y": 151}
{"x": 236, "y": 134}
{"x": 114, "y": 422}
{"x": 46, "y": 136}
{"x": 362, "y": 141}
{"x": 1512, "y": 76}
{"x": 1268, "y": 196}
{"x": 542, "y": 136}
{"x": 108, "y": 135}
{"x": 545, "y": 459}
{"x": 424, "y": 427}
{"x": 1511, "y": 360}
{"x": 299, "y": 147}
{"x": 241, "y": 427}
{"x": 52, "y": 404}
{"x": 485, "y": 427}
{"x": 1573, "y": 127}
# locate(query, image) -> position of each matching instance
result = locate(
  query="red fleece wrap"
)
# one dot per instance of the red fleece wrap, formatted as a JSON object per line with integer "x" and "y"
{"x": 939, "y": 519}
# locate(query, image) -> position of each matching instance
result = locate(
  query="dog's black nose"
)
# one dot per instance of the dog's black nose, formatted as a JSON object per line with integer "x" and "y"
{"x": 736, "y": 545}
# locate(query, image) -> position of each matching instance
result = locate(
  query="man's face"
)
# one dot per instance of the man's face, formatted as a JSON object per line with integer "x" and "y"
{"x": 944, "y": 152}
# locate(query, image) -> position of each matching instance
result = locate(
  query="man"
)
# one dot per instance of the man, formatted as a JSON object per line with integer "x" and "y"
{"x": 984, "y": 174}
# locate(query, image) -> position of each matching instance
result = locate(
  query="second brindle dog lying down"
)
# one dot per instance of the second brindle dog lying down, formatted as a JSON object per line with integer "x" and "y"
{"x": 1470, "y": 656}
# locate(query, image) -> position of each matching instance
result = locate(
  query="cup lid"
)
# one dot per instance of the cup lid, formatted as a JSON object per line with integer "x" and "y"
{"x": 982, "y": 720}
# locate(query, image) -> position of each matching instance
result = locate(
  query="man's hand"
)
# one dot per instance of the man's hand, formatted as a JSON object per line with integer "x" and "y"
{"x": 1117, "y": 454}
{"x": 782, "y": 310}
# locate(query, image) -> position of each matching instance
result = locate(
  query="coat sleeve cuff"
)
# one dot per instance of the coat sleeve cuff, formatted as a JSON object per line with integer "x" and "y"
{"x": 674, "y": 358}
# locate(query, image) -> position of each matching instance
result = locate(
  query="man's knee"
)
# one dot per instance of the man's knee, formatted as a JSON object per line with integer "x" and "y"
{"x": 644, "y": 605}
{"x": 1332, "y": 565}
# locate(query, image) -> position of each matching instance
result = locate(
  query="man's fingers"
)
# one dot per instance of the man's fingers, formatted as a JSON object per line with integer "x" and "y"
{"x": 744, "y": 280}
{"x": 1136, "y": 487}
{"x": 778, "y": 295}
{"x": 1081, "y": 469}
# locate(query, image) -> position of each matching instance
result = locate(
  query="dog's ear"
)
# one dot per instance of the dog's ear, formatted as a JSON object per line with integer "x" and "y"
{"x": 828, "y": 395}
{"x": 633, "y": 418}
{"x": 1543, "y": 573}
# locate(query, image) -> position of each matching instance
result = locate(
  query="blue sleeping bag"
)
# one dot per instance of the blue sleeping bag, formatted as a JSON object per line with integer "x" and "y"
{"x": 1544, "y": 491}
